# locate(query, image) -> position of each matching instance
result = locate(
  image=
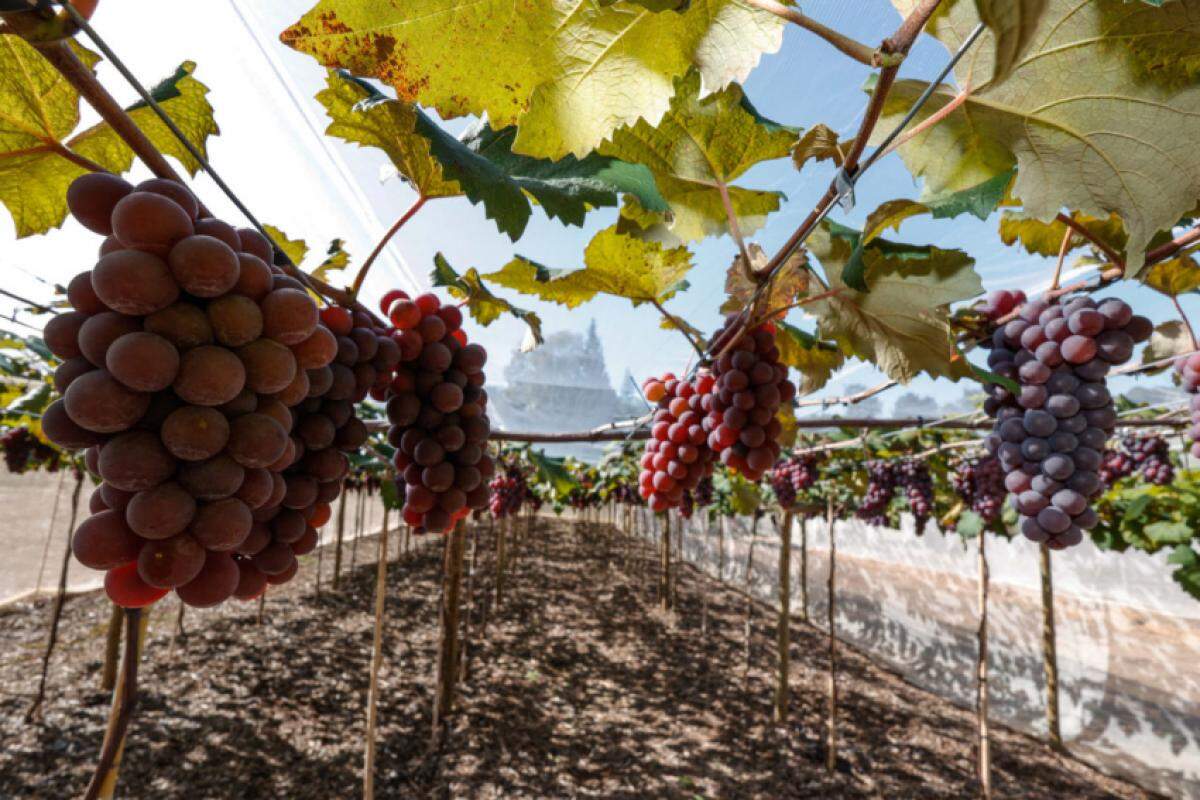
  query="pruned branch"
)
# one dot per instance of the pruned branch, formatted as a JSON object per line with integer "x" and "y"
{"x": 855, "y": 49}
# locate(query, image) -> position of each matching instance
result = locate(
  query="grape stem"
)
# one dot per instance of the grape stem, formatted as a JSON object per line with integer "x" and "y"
{"x": 735, "y": 231}
{"x": 1112, "y": 255}
{"x": 1062, "y": 256}
{"x": 366, "y": 267}
{"x": 677, "y": 325}
{"x": 855, "y": 49}
{"x": 1163, "y": 252}
{"x": 1187, "y": 323}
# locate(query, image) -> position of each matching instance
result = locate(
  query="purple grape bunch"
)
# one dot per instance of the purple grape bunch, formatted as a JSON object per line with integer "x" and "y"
{"x": 980, "y": 483}
{"x": 913, "y": 476}
{"x": 882, "y": 478}
{"x": 1151, "y": 456}
{"x": 1050, "y": 436}
{"x": 1188, "y": 369}
{"x": 792, "y": 476}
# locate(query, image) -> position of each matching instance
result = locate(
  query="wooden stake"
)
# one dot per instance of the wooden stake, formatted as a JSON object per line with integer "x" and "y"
{"x": 1050, "y": 650}
{"x": 749, "y": 627}
{"x": 341, "y": 528}
{"x": 320, "y": 554}
{"x": 985, "y": 752}
{"x": 721, "y": 549}
{"x": 469, "y": 617}
{"x": 112, "y": 649}
{"x": 376, "y": 662}
{"x": 359, "y": 503}
{"x": 104, "y": 779}
{"x": 664, "y": 573}
{"x": 447, "y": 664}
{"x": 501, "y": 558}
{"x": 783, "y": 626}
{"x": 830, "y": 586}
{"x": 60, "y": 599}
{"x": 804, "y": 569}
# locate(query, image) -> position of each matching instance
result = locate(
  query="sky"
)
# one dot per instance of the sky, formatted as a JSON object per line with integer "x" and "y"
{"x": 272, "y": 152}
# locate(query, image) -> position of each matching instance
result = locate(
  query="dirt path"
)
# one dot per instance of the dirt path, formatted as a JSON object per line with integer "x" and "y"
{"x": 579, "y": 689}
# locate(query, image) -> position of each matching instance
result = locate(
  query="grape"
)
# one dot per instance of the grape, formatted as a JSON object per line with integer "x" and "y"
{"x": 213, "y": 479}
{"x": 98, "y": 402}
{"x": 269, "y": 366}
{"x": 1078, "y": 349}
{"x": 194, "y": 433}
{"x": 168, "y": 563}
{"x": 98, "y": 333}
{"x": 82, "y": 296}
{"x": 160, "y": 512}
{"x": 235, "y": 319}
{"x": 126, "y": 588}
{"x": 135, "y": 461}
{"x": 61, "y": 334}
{"x": 133, "y": 282}
{"x": 92, "y": 197}
{"x": 143, "y": 361}
{"x": 209, "y": 376}
{"x": 252, "y": 581}
{"x": 289, "y": 316}
{"x": 172, "y": 190}
{"x": 318, "y": 350}
{"x": 182, "y": 324}
{"x": 218, "y": 230}
{"x": 104, "y": 541}
{"x": 256, "y": 440}
{"x": 215, "y": 583}
{"x": 1039, "y": 423}
{"x": 222, "y": 524}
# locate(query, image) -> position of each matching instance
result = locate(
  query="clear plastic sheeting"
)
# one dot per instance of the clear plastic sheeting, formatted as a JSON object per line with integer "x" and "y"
{"x": 1128, "y": 637}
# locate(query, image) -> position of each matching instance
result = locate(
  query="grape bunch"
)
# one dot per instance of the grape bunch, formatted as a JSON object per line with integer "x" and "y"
{"x": 1188, "y": 369}
{"x": 1050, "y": 436}
{"x": 1151, "y": 456}
{"x": 195, "y": 374}
{"x": 913, "y": 476}
{"x": 750, "y": 385}
{"x": 792, "y": 476}
{"x": 882, "y": 477}
{"x": 704, "y": 491}
{"x": 437, "y": 407}
{"x": 24, "y": 452}
{"x": 1001, "y": 303}
{"x": 1114, "y": 465}
{"x": 980, "y": 483}
{"x": 676, "y": 457}
{"x": 509, "y": 491}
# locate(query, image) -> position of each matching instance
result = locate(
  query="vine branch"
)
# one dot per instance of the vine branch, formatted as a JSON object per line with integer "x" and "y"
{"x": 675, "y": 323}
{"x": 1109, "y": 253}
{"x": 855, "y": 49}
{"x": 1062, "y": 256}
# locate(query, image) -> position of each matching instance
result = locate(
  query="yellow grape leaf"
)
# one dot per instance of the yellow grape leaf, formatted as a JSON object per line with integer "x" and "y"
{"x": 360, "y": 115}
{"x": 485, "y": 307}
{"x": 890, "y": 215}
{"x": 816, "y": 361}
{"x": 1045, "y": 238}
{"x": 615, "y": 264}
{"x": 294, "y": 249}
{"x": 568, "y": 72}
{"x": 698, "y": 148}
{"x": 902, "y": 324}
{"x": 1173, "y": 277}
{"x": 336, "y": 258}
{"x": 1078, "y": 117}
{"x": 820, "y": 142}
{"x": 788, "y": 430}
{"x": 790, "y": 282}
{"x": 39, "y": 111}
{"x": 677, "y": 323}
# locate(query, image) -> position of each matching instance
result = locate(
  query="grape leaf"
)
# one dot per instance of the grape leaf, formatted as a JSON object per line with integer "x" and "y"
{"x": 336, "y": 258}
{"x": 615, "y": 264}
{"x": 816, "y": 361}
{"x": 980, "y": 200}
{"x": 677, "y": 323}
{"x": 1174, "y": 276}
{"x": 481, "y": 164}
{"x": 790, "y": 282}
{"x": 820, "y": 142}
{"x": 484, "y": 306}
{"x": 389, "y": 493}
{"x": 1163, "y": 533}
{"x": 1087, "y": 130}
{"x": 1169, "y": 339}
{"x": 1045, "y": 238}
{"x": 1013, "y": 24}
{"x": 568, "y": 73}
{"x": 295, "y": 249}
{"x": 698, "y": 148}
{"x": 552, "y": 471}
{"x": 788, "y": 429}
{"x": 39, "y": 110}
{"x": 902, "y": 324}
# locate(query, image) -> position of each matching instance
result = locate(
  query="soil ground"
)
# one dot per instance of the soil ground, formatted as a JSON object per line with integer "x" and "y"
{"x": 578, "y": 687}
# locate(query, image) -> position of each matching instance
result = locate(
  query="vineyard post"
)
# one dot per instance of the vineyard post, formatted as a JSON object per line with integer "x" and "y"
{"x": 680, "y": 542}
{"x": 804, "y": 568}
{"x": 62, "y": 477}
{"x": 179, "y": 631}
{"x": 703, "y": 585}
{"x": 985, "y": 752}
{"x": 664, "y": 574}
{"x": 320, "y": 559}
{"x": 501, "y": 556}
{"x": 262, "y": 604}
{"x": 469, "y": 617}
{"x": 447, "y": 663}
{"x": 831, "y": 740}
{"x": 785, "y": 616}
{"x": 112, "y": 648}
{"x": 721, "y": 548}
{"x": 360, "y": 498}
{"x": 1049, "y": 649}
{"x": 60, "y": 599}
{"x": 749, "y": 588}
{"x": 376, "y": 662}
{"x": 104, "y": 780}
{"x": 341, "y": 528}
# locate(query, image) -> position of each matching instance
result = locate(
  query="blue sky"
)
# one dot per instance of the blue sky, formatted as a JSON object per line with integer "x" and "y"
{"x": 318, "y": 188}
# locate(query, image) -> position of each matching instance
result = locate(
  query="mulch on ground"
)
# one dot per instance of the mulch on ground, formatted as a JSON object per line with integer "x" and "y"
{"x": 579, "y": 687}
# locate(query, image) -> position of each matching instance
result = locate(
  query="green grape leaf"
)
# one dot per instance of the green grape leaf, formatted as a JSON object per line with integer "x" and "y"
{"x": 567, "y": 74}
{"x": 969, "y": 524}
{"x": 1077, "y": 104}
{"x": 552, "y": 471}
{"x": 1174, "y": 276}
{"x": 1169, "y": 339}
{"x": 902, "y": 324}
{"x": 39, "y": 110}
{"x": 790, "y": 282}
{"x": 295, "y": 249}
{"x": 1013, "y": 24}
{"x": 695, "y": 152}
{"x": 745, "y": 497}
{"x": 389, "y": 492}
{"x": 1163, "y": 533}
{"x": 33, "y": 401}
{"x": 485, "y": 307}
{"x": 816, "y": 361}
{"x": 821, "y": 143}
{"x": 336, "y": 259}
{"x": 615, "y": 264}
{"x": 980, "y": 200}
{"x": 361, "y": 114}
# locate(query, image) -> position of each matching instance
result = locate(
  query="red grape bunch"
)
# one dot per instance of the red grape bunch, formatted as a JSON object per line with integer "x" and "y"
{"x": 1049, "y": 437}
{"x": 24, "y": 452}
{"x": 1151, "y": 456}
{"x": 750, "y": 386}
{"x": 980, "y": 483}
{"x": 438, "y": 409}
{"x": 676, "y": 456}
{"x": 189, "y": 368}
{"x": 509, "y": 492}
{"x": 792, "y": 476}
{"x": 882, "y": 477}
